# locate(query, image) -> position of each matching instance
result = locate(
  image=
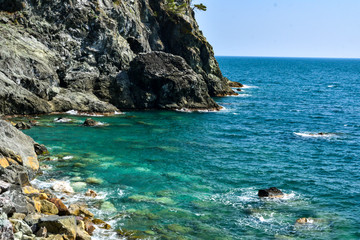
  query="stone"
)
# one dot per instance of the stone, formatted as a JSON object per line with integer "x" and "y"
{"x": 21, "y": 226}
{"x": 18, "y": 216}
{"x": 82, "y": 234}
{"x": 93, "y": 180}
{"x": 272, "y": 192}
{"x": 13, "y": 201}
{"x": 80, "y": 210}
{"x": 4, "y": 186}
{"x": 62, "y": 186}
{"x": 89, "y": 227}
{"x": 90, "y": 193}
{"x": 40, "y": 149}
{"x": 305, "y": 221}
{"x": 63, "y": 210}
{"x": 48, "y": 207}
{"x": 65, "y": 226}
{"x": 30, "y": 190}
{"x": 77, "y": 186}
{"x": 90, "y": 123}
{"x": 42, "y": 232}
{"x": 23, "y": 126}
{"x": 6, "y": 228}
{"x": 17, "y": 147}
{"x": 101, "y": 224}
{"x": 33, "y": 218}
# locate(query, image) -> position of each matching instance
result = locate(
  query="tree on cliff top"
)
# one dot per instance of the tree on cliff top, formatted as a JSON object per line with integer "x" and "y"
{"x": 174, "y": 7}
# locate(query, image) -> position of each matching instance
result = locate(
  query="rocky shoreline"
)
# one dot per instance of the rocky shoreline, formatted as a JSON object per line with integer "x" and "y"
{"x": 31, "y": 213}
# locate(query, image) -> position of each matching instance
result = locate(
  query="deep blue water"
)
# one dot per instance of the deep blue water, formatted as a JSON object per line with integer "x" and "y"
{"x": 177, "y": 175}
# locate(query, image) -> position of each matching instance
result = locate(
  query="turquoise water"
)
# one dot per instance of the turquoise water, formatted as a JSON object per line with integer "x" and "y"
{"x": 177, "y": 175}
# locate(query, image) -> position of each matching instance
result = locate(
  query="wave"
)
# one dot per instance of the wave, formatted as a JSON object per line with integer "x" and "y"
{"x": 315, "y": 135}
{"x": 248, "y": 86}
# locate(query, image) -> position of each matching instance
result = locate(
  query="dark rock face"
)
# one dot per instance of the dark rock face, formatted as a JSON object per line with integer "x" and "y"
{"x": 272, "y": 192}
{"x": 64, "y": 55}
{"x": 165, "y": 81}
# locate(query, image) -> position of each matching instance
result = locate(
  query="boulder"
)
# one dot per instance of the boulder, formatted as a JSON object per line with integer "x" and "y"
{"x": 23, "y": 126}
{"x": 62, "y": 186}
{"x": 272, "y": 192}
{"x": 40, "y": 149}
{"x": 63, "y": 210}
{"x": 13, "y": 201}
{"x": 4, "y": 186}
{"x": 165, "y": 81}
{"x": 48, "y": 207}
{"x": 80, "y": 210}
{"x": 90, "y": 123}
{"x": 16, "y": 148}
{"x": 65, "y": 226}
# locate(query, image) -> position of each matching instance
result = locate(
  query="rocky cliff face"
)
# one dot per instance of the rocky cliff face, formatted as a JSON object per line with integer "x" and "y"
{"x": 77, "y": 54}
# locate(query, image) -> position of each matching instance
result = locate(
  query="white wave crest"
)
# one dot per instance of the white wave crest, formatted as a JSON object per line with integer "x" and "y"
{"x": 315, "y": 135}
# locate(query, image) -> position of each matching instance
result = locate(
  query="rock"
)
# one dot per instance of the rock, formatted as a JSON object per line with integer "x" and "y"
{"x": 82, "y": 235}
{"x": 40, "y": 149}
{"x": 48, "y": 207}
{"x": 18, "y": 216}
{"x": 90, "y": 123}
{"x": 34, "y": 123}
{"x": 33, "y": 218}
{"x": 80, "y": 210}
{"x": 63, "y": 210}
{"x": 62, "y": 186}
{"x": 16, "y": 148}
{"x": 78, "y": 185}
{"x": 13, "y": 201}
{"x": 23, "y": 126}
{"x": 21, "y": 226}
{"x": 272, "y": 192}
{"x": 235, "y": 84}
{"x": 4, "y": 186}
{"x": 65, "y": 226}
{"x": 90, "y": 193}
{"x": 29, "y": 190}
{"x": 6, "y": 228}
{"x": 166, "y": 81}
{"x": 89, "y": 227}
{"x": 101, "y": 224}
{"x": 305, "y": 221}
{"x": 42, "y": 232}
{"x": 93, "y": 180}
{"x": 12, "y": 5}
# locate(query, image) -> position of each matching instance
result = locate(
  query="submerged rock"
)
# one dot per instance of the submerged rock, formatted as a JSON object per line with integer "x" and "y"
{"x": 272, "y": 192}
{"x": 305, "y": 221}
{"x": 62, "y": 186}
{"x": 90, "y": 123}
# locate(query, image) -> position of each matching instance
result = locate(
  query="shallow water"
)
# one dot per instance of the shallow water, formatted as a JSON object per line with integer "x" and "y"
{"x": 178, "y": 175}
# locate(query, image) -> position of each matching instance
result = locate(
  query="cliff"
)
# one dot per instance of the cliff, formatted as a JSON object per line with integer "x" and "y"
{"x": 85, "y": 55}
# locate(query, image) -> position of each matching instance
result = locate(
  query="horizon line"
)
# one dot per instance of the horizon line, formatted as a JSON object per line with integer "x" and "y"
{"x": 289, "y": 57}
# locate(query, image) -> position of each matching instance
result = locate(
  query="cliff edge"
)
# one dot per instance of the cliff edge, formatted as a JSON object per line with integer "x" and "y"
{"x": 96, "y": 56}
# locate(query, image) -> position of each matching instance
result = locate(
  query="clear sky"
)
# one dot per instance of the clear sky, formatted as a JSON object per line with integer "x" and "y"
{"x": 282, "y": 28}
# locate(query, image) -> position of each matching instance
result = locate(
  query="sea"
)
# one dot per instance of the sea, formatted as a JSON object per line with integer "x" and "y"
{"x": 295, "y": 125}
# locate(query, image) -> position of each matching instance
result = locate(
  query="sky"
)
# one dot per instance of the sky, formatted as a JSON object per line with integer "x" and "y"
{"x": 282, "y": 28}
